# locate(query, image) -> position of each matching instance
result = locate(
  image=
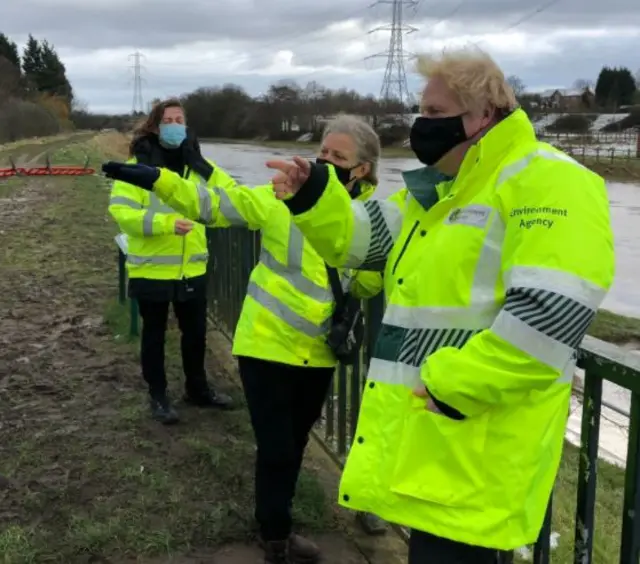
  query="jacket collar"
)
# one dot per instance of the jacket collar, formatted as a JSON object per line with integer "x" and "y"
{"x": 363, "y": 190}
{"x": 494, "y": 145}
{"x": 147, "y": 150}
{"x": 427, "y": 185}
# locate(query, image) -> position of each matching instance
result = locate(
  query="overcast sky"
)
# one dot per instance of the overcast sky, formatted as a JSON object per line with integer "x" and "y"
{"x": 191, "y": 43}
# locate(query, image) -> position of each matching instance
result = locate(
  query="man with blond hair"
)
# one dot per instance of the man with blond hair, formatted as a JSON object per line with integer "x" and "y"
{"x": 496, "y": 257}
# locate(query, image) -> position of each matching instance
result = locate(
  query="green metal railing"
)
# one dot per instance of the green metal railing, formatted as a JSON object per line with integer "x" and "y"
{"x": 234, "y": 253}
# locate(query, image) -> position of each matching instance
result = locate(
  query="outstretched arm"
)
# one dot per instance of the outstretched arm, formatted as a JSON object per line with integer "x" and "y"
{"x": 220, "y": 203}
{"x": 344, "y": 232}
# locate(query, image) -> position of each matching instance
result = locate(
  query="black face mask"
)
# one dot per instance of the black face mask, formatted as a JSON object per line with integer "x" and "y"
{"x": 343, "y": 174}
{"x": 432, "y": 138}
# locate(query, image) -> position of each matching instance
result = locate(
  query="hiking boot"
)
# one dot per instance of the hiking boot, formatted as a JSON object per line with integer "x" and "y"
{"x": 303, "y": 551}
{"x": 162, "y": 411}
{"x": 277, "y": 552}
{"x": 210, "y": 399}
{"x": 371, "y": 524}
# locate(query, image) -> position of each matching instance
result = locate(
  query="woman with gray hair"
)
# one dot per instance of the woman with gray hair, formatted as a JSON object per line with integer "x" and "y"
{"x": 287, "y": 339}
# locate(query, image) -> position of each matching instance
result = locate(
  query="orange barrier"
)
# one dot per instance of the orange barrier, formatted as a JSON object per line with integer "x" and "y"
{"x": 46, "y": 171}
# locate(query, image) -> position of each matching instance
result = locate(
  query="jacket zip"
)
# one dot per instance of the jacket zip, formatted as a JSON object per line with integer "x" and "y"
{"x": 404, "y": 247}
{"x": 185, "y": 174}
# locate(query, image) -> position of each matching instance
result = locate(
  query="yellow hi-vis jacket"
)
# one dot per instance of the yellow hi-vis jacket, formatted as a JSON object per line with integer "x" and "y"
{"x": 155, "y": 251}
{"x": 491, "y": 281}
{"x": 288, "y": 307}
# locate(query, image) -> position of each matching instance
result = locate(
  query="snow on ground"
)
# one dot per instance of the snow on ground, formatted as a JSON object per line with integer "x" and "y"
{"x": 545, "y": 121}
{"x": 614, "y": 426}
{"x": 617, "y": 150}
{"x": 602, "y": 120}
{"x": 606, "y": 119}
{"x": 601, "y": 145}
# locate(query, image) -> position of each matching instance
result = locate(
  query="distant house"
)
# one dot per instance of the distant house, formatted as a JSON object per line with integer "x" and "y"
{"x": 567, "y": 100}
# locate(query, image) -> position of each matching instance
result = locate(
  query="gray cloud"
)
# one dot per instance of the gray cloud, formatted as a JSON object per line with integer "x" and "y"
{"x": 182, "y": 42}
{"x": 161, "y": 23}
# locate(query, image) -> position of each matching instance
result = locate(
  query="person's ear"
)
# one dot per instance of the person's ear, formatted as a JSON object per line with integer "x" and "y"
{"x": 361, "y": 171}
{"x": 488, "y": 116}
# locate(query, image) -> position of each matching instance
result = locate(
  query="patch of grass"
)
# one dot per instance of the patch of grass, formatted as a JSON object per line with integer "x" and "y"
{"x": 620, "y": 169}
{"x": 615, "y": 328}
{"x": 85, "y": 474}
{"x": 17, "y": 545}
{"x": 609, "y": 496}
{"x": 27, "y": 149}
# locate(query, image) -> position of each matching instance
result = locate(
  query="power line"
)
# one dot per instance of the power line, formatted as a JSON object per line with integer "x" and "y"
{"x": 394, "y": 83}
{"x": 542, "y": 8}
{"x": 138, "y": 102}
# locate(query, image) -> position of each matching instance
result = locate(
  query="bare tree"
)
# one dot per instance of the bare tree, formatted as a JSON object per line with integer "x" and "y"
{"x": 516, "y": 83}
{"x": 583, "y": 84}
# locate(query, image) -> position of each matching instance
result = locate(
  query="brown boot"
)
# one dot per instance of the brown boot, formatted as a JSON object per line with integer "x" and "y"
{"x": 303, "y": 551}
{"x": 277, "y": 552}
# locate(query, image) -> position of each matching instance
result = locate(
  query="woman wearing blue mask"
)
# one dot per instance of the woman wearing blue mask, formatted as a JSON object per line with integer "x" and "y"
{"x": 167, "y": 257}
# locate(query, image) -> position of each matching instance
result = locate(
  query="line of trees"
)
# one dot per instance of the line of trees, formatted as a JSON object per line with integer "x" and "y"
{"x": 35, "y": 93}
{"x": 286, "y": 111}
{"x": 615, "y": 87}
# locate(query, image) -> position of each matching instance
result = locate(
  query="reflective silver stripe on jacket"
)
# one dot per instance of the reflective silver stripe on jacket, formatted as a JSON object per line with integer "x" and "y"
{"x": 393, "y": 372}
{"x": 228, "y": 210}
{"x": 292, "y": 271}
{"x": 377, "y": 224}
{"x": 138, "y": 260}
{"x": 286, "y": 314}
{"x": 156, "y": 206}
{"x": 123, "y": 201}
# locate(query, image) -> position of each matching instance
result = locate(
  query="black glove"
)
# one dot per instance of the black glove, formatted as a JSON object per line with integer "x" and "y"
{"x": 139, "y": 175}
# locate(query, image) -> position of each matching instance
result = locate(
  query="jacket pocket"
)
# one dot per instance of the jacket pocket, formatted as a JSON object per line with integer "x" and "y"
{"x": 441, "y": 460}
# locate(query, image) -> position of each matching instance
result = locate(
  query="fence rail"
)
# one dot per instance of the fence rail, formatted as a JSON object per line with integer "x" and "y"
{"x": 234, "y": 252}
{"x": 604, "y": 148}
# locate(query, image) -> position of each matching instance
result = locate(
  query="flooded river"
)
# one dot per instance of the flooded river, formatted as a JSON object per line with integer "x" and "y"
{"x": 246, "y": 163}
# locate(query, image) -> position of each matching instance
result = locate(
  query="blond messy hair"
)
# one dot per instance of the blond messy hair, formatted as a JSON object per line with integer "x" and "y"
{"x": 474, "y": 77}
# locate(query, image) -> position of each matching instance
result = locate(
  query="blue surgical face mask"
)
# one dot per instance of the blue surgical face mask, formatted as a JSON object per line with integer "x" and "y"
{"x": 172, "y": 134}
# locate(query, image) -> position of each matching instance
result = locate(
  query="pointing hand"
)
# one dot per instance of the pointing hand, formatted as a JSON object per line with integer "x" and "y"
{"x": 290, "y": 176}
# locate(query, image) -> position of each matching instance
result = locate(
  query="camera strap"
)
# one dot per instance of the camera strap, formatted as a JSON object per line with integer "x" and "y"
{"x": 336, "y": 288}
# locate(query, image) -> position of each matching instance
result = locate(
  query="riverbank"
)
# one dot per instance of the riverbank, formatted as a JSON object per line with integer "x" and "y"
{"x": 617, "y": 169}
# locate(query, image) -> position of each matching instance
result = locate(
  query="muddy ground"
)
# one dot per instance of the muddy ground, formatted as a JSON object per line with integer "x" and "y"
{"x": 85, "y": 476}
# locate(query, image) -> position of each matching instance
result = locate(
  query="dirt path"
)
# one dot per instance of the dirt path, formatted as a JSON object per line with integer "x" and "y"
{"x": 85, "y": 476}
{"x": 32, "y": 153}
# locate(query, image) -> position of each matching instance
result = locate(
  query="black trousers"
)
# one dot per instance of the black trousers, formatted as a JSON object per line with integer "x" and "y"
{"x": 425, "y": 548}
{"x": 284, "y": 402}
{"x": 192, "y": 320}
